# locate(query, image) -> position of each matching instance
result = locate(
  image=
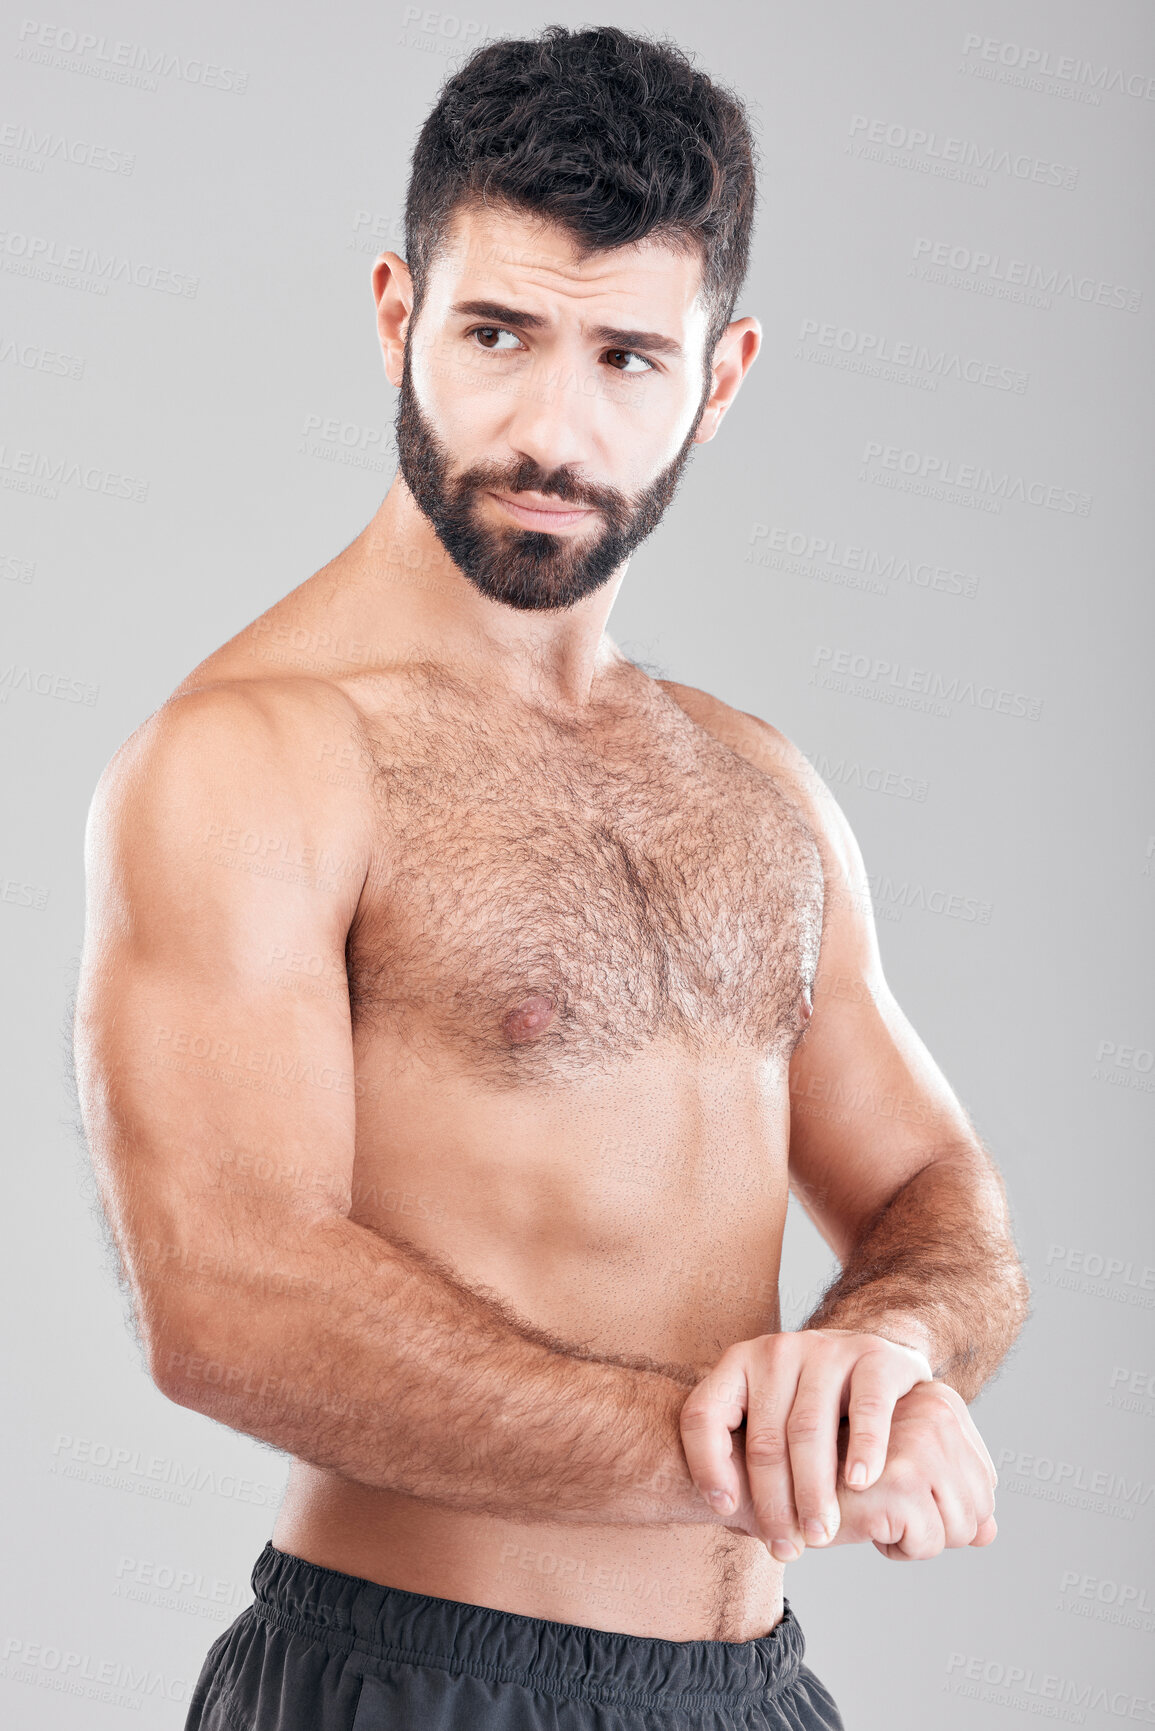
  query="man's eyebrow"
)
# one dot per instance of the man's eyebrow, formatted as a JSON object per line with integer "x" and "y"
{"x": 609, "y": 334}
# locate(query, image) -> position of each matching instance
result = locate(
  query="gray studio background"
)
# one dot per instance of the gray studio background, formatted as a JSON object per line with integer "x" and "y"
{"x": 919, "y": 546}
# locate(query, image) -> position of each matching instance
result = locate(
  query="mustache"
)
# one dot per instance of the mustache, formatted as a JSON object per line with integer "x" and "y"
{"x": 528, "y": 477}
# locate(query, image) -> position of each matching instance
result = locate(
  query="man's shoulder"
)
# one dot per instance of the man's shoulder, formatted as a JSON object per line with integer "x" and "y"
{"x": 764, "y": 745}
{"x": 280, "y": 763}
{"x": 242, "y": 722}
{"x": 770, "y": 750}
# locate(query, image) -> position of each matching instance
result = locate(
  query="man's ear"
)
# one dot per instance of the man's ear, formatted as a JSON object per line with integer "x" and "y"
{"x": 393, "y": 298}
{"x": 734, "y": 353}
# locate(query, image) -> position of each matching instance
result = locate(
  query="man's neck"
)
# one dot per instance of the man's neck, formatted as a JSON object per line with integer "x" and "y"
{"x": 396, "y": 582}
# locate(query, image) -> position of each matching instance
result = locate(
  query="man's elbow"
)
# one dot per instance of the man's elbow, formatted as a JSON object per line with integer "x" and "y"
{"x": 184, "y": 1357}
{"x": 177, "y": 1371}
{"x": 1018, "y": 1291}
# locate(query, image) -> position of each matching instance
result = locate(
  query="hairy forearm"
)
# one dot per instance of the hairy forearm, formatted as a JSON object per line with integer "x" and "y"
{"x": 372, "y": 1358}
{"x": 937, "y": 1269}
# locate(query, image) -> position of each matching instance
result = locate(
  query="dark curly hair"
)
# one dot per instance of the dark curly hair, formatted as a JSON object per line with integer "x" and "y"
{"x": 615, "y": 136}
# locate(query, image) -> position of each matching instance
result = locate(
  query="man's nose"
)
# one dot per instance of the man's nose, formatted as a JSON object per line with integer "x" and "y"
{"x": 552, "y": 423}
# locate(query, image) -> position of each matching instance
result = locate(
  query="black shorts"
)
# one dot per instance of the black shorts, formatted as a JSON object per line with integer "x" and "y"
{"x": 322, "y": 1651}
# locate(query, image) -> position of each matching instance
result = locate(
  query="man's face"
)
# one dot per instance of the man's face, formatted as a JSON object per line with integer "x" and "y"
{"x": 549, "y": 406}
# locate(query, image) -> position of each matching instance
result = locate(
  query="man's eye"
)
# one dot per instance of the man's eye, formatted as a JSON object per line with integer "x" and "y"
{"x": 489, "y": 337}
{"x": 629, "y": 355}
{"x": 484, "y": 332}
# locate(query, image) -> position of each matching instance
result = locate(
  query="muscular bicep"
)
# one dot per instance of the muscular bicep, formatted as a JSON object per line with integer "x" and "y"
{"x": 869, "y": 1106}
{"x": 213, "y": 1041}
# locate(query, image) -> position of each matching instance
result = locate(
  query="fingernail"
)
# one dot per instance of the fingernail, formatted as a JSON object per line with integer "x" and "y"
{"x": 784, "y": 1552}
{"x": 856, "y": 1477}
{"x": 720, "y": 1500}
{"x": 815, "y": 1532}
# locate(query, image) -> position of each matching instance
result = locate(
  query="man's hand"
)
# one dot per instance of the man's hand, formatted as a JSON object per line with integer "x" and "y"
{"x": 937, "y": 1491}
{"x": 791, "y": 1391}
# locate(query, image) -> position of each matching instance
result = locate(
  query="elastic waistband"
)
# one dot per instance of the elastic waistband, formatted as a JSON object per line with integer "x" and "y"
{"x": 388, "y": 1623}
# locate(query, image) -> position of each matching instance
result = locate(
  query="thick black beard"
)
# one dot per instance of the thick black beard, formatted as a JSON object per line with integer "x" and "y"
{"x": 525, "y": 568}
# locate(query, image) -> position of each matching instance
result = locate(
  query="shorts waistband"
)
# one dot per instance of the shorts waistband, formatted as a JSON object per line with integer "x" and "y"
{"x": 389, "y": 1623}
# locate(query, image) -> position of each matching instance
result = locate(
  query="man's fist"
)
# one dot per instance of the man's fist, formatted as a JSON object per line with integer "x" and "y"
{"x": 937, "y": 1490}
{"x": 791, "y": 1391}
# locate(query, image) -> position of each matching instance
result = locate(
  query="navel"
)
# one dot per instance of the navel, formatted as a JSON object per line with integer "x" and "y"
{"x": 528, "y": 1018}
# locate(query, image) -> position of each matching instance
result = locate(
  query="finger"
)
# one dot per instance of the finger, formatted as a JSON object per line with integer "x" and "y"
{"x": 987, "y": 1533}
{"x": 924, "y": 1535}
{"x": 773, "y": 1383}
{"x": 968, "y": 1468}
{"x": 978, "y": 1466}
{"x": 887, "y": 1529}
{"x": 743, "y": 1520}
{"x": 974, "y": 1436}
{"x": 905, "y": 1523}
{"x": 877, "y": 1381}
{"x": 714, "y": 1408}
{"x": 812, "y": 1436}
{"x": 957, "y": 1512}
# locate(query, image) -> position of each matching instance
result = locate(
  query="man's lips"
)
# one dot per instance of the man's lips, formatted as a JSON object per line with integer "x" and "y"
{"x": 543, "y": 517}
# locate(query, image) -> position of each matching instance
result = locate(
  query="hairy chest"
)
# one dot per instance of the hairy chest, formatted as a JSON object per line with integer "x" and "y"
{"x": 547, "y": 903}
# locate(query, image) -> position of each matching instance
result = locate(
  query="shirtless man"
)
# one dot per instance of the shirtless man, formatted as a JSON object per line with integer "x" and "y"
{"x": 458, "y": 1003}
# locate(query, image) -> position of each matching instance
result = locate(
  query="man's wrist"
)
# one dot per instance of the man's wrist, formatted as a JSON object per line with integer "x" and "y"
{"x": 899, "y": 1327}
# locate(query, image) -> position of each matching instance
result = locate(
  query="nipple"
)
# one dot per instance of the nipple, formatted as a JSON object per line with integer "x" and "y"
{"x": 528, "y": 1018}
